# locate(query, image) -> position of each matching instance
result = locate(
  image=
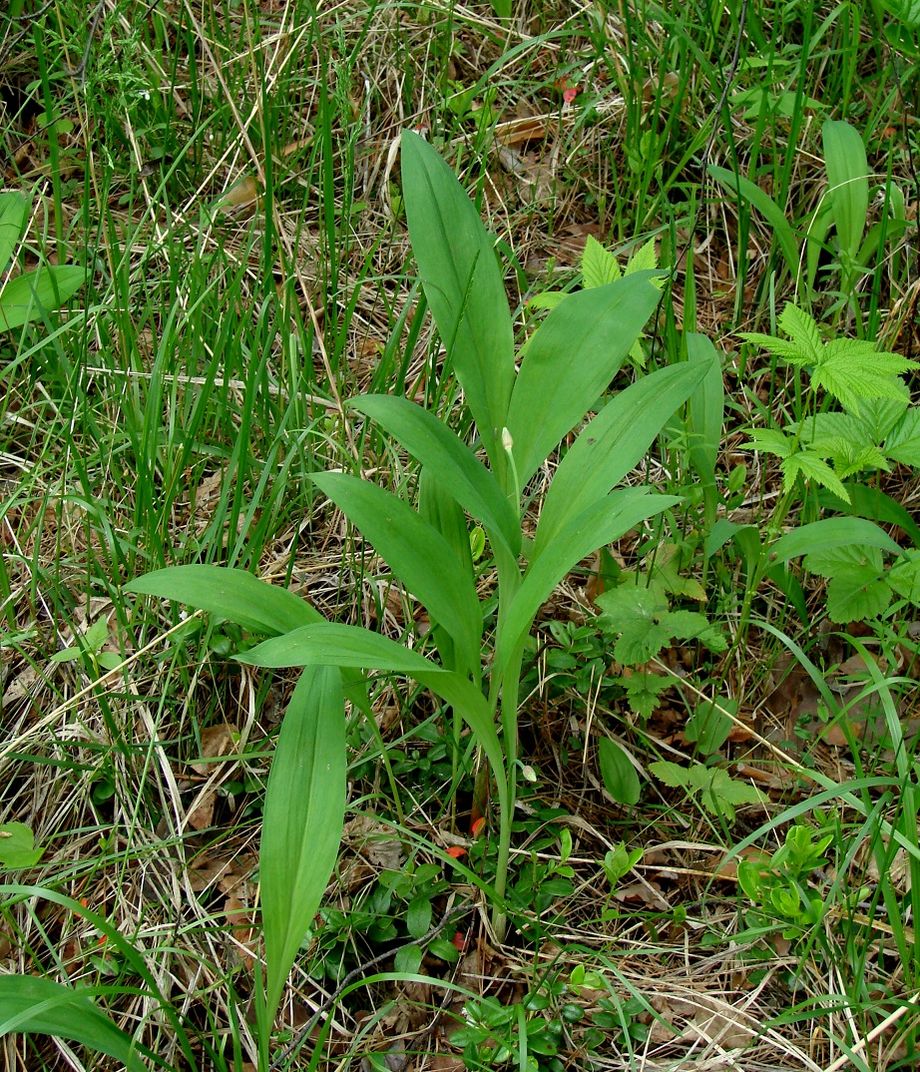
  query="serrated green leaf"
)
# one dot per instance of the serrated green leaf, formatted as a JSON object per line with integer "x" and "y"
{"x": 903, "y": 443}
{"x": 803, "y": 331}
{"x": 598, "y": 265}
{"x": 857, "y": 594}
{"x": 811, "y": 467}
{"x": 671, "y": 774}
{"x": 770, "y": 441}
{"x": 618, "y": 773}
{"x": 904, "y": 577}
{"x": 691, "y": 625}
{"x": 834, "y": 560}
{"x": 781, "y": 348}
{"x": 643, "y": 691}
{"x": 644, "y": 259}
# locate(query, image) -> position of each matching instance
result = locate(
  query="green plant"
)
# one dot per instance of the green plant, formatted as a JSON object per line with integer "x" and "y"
{"x": 494, "y": 1035}
{"x": 711, "y": 786}
{"x": 521, "y": 417}
{"x": 30, "y": 295}
{"x": 778, "y": 885}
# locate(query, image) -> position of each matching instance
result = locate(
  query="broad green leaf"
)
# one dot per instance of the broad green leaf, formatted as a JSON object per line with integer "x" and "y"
{"x": 463, "y": 285}
{"x": 774, "y": 215}
{"x": 440, "y": 509}
{"x": 417, "y": 554}
{"x": 449, "y": 460}
{"x": 612, "y": 444}
{"x": 302, "y": 820}
{"x": 857, "y": 594}
{"x": 334, "y": 644}
{"x": 350, "y": 646}
{"x": 14, "y": 209}
{"x": 570, "y": 361}
{"x": 709, "y": 725}
{"x": 904, "y": 577}
{"x": 601, "y": 523}
{"x": 706, "y": 409}
{"x": 848, "y": 176}
{"x": 831, "y": 532}
{"x": 618, "y": 773}
{"x": 36, "y": 1006}
{"x": 598, "y": 265}
{"x": 903, "y": 444}
{"x": 17, "y": 846}
{"x": 31, "y": 295}
{"x": 233, "y": 594}
{"x": 874, "y": 504}
{"x": 241, "y": 598}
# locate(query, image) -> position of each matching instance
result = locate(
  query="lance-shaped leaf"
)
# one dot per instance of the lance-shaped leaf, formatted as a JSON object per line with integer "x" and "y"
{"x": 612, "y": 444}
{"x": 775, "y": 216}
{"x": 417, "y": 554}
{"x": 831, "y": 532}
{"x": 233, "y": 594}
{"x": 31, "y": 295}
{"x": 462, "y": 283}
{"x": 302, "y": 820}
{"x": 332, "y": 644}
{"x": 570, "y": 361}
{"x": 848, "y": 176}
{"x": 33, "y": 1005}
{"x": 706, "y": 410}
{"x": 241, "y": 598}
{"x": 448, "y": 460}
{"x": 599, "y": 524}
{"x": 14, "y": 208}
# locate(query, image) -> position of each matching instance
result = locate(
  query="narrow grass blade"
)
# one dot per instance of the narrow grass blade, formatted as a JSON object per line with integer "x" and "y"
{"x": 14, "y": 208}
{"x": 233, "y": 594}
{"x": 612, "y": 444}
{"x": 599, "y": 524}
{"x": 449, "y": 460}
{"x": 417, "y": 554}
{"x": 302, "y": 821}
{"x": 32, "y": 294}
{"x": 592, "y": 332}
{"x": 463, "y": 285}
{"x": 831, "y": 532}
{"x": 767, "y": 207}
{"x": 848, "y": 176}
{"x": 32, "y": 1005}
